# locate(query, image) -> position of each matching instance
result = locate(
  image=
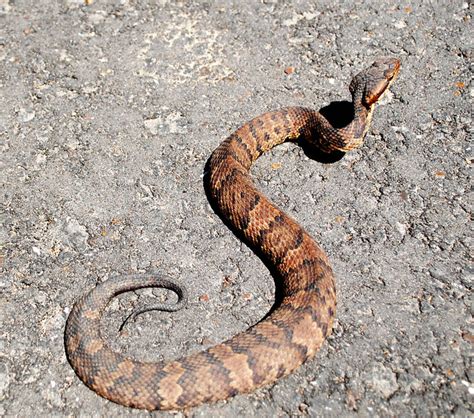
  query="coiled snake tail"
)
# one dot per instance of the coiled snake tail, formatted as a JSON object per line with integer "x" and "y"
{"x": 295, "y": 329}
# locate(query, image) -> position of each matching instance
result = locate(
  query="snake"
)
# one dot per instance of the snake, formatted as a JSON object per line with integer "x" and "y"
{"x": 301, "y": 319}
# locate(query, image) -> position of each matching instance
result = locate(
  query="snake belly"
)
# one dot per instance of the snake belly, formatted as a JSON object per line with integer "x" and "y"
{"x": 269, "y": 350}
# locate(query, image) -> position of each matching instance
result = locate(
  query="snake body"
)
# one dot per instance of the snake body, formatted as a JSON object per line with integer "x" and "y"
{"x": 294, "y": 330}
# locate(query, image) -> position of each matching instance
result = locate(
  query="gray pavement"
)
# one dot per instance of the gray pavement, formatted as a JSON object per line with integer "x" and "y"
{"x": 108, "y": 113}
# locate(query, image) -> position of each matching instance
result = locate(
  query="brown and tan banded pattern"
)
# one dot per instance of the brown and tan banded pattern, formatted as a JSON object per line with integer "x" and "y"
{"x": 294, "y": 331}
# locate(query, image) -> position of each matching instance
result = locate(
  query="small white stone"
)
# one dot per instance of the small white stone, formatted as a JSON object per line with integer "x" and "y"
{"x": 5, "y": 6}
{"x": 293, "y": 20}
{"x": 89, "y": 89}
{"x": 310, "y": 16}
{"x": 25, "y": 115}
{"x": 152, "y": 125}
{"x": 470, "y": 387}
{"x": 401, "y": 228}
{"x": 172, "y": 120}
{"x": 96, "y": 18}
{"x": 400, "y": 24}
{"x": 40, "y": 159}
{"x": 384, "y": 381}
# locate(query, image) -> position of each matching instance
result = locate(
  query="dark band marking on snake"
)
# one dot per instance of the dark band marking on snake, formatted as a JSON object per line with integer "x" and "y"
{"x": 298, "y": 325}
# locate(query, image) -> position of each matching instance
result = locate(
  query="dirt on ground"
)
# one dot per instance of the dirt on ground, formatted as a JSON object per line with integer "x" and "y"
{"x": 109, "y": 111}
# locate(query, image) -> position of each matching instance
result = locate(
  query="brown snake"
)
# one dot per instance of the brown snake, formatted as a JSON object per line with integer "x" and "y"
{"x": 294, "y": 330}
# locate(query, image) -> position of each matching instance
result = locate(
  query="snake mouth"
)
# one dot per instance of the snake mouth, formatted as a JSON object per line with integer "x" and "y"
{"x": 379, "y": 78}
{"x": 392, "y": 73}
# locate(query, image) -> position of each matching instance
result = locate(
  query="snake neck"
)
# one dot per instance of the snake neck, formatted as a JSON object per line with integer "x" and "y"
{"x": 358, "y": 128}
{"x": 329, "y": 139}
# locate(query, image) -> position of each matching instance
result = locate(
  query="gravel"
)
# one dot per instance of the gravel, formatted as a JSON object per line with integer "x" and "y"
{"x": 108, "y": 113}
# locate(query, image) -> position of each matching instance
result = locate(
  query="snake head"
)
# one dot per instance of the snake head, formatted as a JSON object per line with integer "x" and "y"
{"x": 372, "y": 82}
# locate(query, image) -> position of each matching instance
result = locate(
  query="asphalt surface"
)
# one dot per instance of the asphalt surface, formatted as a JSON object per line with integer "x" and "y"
{"x": 108, "y": 113}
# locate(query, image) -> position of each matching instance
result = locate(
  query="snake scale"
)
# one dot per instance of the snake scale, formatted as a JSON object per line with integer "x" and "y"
{"x": 294, "y": 330}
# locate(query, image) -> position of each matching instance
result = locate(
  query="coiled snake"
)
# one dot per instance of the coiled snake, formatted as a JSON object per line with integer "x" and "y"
{"x": 296, "y": 328}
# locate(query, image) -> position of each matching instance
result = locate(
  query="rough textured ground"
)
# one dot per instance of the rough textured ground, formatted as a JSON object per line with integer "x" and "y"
{"x": 108, "y": 113}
